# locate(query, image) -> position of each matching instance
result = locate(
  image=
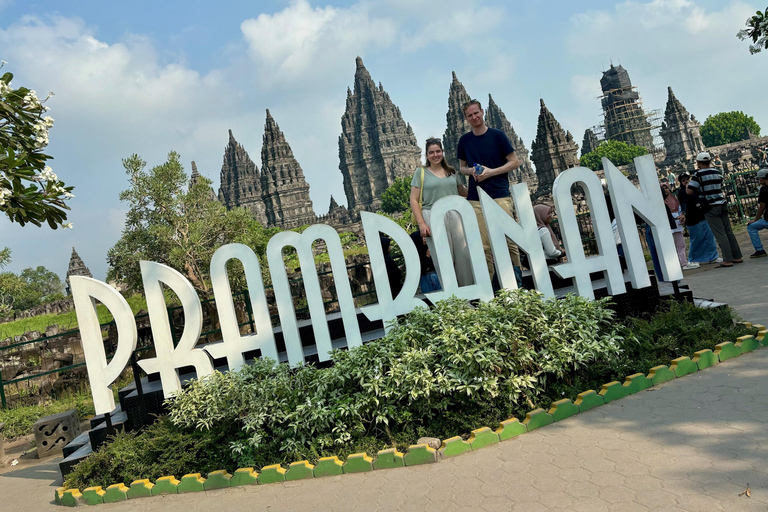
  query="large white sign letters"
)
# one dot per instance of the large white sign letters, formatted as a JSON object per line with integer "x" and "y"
{"x": 627, "y": 200}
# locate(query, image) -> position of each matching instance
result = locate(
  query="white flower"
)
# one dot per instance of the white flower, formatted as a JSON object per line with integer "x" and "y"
{"x": 68, "y": 195}
{"x": 67, "y": 225}
{"x": 48, "y": 121}
{"x": 4, "y": 195}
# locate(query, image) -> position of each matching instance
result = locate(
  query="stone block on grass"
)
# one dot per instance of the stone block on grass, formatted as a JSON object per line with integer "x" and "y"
{"x": 727, "y": 350}
{"x": 272, "y": 474}
{"x": 420, "y": 454}
{"x": 93, "y": 495}
{"x": 563, "y": 409}
{"x": 588, "y": 400}
{"x": 244, "y": 476}
{"x": 537, "y": 418}
{"x": 482, "y": 437}
{"x": 510, "y": 428}
{"x": 115, "y": 493}
{"x": 329, "y": 466}
{"x": 661, "y": 373}
{"x": 455, "y": 446}
{"x": 54, "y": 432}
{"x": 300, "y": 470}
{"x": 72, "y": 498}
{"x": 390, "y": 458}
{"x": 747, "y": 343}
{"x": 140, "y": 489}
{"x": 705, "y": 359}
{"x": 358, "y": 463}
{"x": 165, "y": 485}
{"x": 636, "y": 383}
{"x": 682, "y": 366}
{"x": 613, "y": 391}
{"x": 217, "y": 480}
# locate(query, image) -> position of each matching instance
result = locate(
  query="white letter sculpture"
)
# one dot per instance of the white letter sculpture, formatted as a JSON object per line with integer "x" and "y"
{"x": 648, "y": 203}
{"x": 234, "y": 343}
{"x": 169, "y": 358}
{"x": 85, "y": 293}
{"x": 579, "y": 266}
{"x": 481, "y": 289}
{"x": 388, "y": 307}
{"x": 526, "y": 235}
{"x": 303, "y": 244}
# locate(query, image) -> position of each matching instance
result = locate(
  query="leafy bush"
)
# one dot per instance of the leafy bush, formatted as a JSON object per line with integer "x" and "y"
{"x": 618, "y": 152}
{"x": 440, "y": 373}
{"x": 397, "y": 198}
{"x": 432, "y": 374}
{"x": 727, "y": 127}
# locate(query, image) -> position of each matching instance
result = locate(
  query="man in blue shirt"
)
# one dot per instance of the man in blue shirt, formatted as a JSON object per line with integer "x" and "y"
{"x": 486, "y": 155}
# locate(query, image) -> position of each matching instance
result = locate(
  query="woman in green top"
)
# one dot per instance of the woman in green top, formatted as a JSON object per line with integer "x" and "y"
{"x": 440, "y": 180}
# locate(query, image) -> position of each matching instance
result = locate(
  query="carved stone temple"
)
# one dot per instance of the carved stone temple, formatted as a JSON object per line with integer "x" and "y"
{"x": 376, "y": 145}
{"x": 623, "y": 113}
{"x": 241, "y": 182}
{"x": 284, "y": 189}
{"x": 590, "y": 142}
{"x": 76, "y": 268}
{"x": 456, "y": 125}
{"x": 495, "y": 118}
{"x": 552, "y": 152}
{"x": 680, "y": 132}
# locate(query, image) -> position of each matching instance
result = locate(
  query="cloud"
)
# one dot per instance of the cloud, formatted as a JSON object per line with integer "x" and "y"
{"x": 303, "y": 43}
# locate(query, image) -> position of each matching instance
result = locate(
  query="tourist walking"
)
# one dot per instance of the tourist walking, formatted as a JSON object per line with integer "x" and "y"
{"x": 708, "y": 182}
{"x": 701, "y": 242}
{"x": 677, "y": 232}
{"x": 433, "y": 181}
{"x": 761, "y": 216}
{"x": 486, "y": 156}
{"x": 552, "y": 249}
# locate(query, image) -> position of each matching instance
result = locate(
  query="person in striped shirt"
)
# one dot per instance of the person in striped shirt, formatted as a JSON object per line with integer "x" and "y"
{"x": 708, "y": 183}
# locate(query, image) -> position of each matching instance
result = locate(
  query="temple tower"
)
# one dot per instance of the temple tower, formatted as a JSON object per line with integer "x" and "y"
{"x": 680, "y": 131}
{"x": 590, "y": 142}
{"x": 495, "y": 118}
{"x": 240, "y": 181}
{"x": 623, "y": 113}
{"x": 285, "y": 192}
{"x": 553, "y": 151}
{"x": 456, "y": 125}
{"x": 376, "y": 145}
{"x": 76, "y": 268}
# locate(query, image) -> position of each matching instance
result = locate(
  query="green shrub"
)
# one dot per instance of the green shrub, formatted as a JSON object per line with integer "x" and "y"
{"x": 440, "y": 372}
{"x": 436, "y": 373}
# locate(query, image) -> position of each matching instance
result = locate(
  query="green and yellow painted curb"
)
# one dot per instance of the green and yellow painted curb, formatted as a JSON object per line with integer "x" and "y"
{"x": 420, "y": 453}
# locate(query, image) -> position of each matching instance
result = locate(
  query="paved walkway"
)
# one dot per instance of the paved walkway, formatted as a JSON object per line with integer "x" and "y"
{"x": 693, "y": 444}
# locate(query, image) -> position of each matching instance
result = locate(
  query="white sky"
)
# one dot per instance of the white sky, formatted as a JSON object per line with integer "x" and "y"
{"x": 151, "y": 77}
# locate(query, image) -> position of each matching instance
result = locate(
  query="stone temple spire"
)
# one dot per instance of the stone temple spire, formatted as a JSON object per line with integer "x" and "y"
{"x": 680, "y": 131}
{"x": 76, "y": 268}
{"x": 495, "y": 118}
{"x": 553, "y": 150}
{"x": 284, "y": 189}
{"x": 195, "y": 177}
{"x": 240, "y": 181}
{"x": 376, "y": 145}
{"x": 456, "y": 125}
{"x": 590, "y": 142}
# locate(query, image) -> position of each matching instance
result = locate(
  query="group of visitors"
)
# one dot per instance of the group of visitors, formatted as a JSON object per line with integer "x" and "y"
{"x": 486, "y": 156}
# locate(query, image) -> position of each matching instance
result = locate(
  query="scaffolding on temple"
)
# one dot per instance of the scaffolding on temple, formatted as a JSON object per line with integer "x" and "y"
{"x": 624, "y": 118}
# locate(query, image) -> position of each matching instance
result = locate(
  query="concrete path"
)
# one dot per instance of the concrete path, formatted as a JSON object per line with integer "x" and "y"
{"x": 693, "y": 444}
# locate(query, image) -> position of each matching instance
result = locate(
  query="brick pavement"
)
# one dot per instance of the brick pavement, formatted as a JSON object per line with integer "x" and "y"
{"x": 692, "y": 444}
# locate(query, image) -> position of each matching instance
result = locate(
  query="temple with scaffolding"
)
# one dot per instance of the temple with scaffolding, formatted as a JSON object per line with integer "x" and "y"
{"x": 623, "y": 116}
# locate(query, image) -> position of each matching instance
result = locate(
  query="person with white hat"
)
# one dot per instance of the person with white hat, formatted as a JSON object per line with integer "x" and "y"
{"x": 761, "y": 216}
{"x": 708, "y": 182}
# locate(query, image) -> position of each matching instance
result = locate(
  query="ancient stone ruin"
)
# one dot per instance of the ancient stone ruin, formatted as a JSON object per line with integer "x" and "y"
{"x": 76, "y": 268}
{"x": 553, "y": 151}
{"x": 590, "y": 142}
{"x": 680, "y": 132}
{"x": 376, "y": 145}
{"x": 624, "y": 118}
{"x": 495, "y": 118}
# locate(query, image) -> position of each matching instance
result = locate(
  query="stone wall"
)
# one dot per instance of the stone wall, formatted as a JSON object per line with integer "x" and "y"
{"x": 52, "y": 308}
